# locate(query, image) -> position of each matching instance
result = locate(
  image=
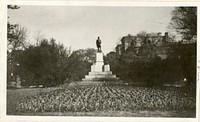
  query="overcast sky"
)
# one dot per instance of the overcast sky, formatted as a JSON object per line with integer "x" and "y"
{"x": 79, "y": 26}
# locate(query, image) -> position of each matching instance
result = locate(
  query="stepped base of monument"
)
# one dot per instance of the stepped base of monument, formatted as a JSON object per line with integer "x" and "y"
{"x": 100, "y": 73}
{"x": 100, "y": 76}
{"x": 99, "y": 82}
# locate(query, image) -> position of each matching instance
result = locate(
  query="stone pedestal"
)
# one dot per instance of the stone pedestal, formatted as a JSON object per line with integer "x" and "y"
{"x": 99, "y": 71}
{"x": 99, "y": 57}
{"x": 98, "y": 66}
{"x": 107, "y": 68}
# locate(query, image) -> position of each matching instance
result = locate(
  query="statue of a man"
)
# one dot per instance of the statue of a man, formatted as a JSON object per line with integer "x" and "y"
{"x": 98, "y": 43}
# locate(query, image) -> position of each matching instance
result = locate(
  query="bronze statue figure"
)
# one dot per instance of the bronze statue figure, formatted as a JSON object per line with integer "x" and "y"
{"x": 98, "y": 43}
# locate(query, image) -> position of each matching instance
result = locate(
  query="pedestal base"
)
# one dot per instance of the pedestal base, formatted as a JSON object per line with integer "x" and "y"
{"x": 99, "y": 71}
{"x": 100, "y": 76}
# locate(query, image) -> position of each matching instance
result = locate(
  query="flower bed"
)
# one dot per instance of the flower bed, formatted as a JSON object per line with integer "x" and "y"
{"x": 91, "y": 98}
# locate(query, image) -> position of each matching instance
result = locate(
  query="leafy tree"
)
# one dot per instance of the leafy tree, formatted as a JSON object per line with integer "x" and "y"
{"x": 112, "y": 59}
{"x": 187, "y": 60}
{"x": 44, "y": 64}
{"x": 79, "y": 63}
{"x": 184, "y": 21}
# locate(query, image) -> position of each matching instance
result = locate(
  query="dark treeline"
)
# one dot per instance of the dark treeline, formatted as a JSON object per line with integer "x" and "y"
{"x": 150, "y": 70}
{"x": 49, "y": 64}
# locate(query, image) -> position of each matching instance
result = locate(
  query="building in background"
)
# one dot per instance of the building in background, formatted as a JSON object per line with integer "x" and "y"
{"x": 159, "y": 44}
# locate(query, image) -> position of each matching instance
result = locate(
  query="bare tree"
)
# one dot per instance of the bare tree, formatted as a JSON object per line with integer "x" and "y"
{"x": 39, "y": 36}
{"x": 184, "y": 21}
{"x": 16, "y": 36}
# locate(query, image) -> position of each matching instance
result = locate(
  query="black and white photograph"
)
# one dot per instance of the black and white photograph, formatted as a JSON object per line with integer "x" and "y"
{"x": 101, "y": 61}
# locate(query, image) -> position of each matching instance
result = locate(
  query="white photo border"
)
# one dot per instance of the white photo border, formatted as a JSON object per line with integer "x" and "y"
{"x": 3, "y": 61}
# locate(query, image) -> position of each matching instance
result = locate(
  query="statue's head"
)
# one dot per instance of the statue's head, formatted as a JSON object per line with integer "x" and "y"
{"x": 98, "y": 37}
